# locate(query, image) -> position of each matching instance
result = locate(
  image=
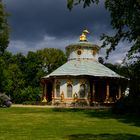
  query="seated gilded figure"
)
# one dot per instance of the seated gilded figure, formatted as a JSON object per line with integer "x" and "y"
{"x": 62, "y": 96}
{"x": 75, "y": 97}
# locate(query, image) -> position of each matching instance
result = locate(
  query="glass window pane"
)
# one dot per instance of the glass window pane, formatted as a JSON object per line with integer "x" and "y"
{"x": 57, "y": 90}
{"x": 82, "y": 90}
{"x": 69, "y": 90}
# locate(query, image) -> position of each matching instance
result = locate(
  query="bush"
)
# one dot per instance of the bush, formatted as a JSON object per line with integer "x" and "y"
{"x": 28, "y": 94}
{"x": 5, "y": 100}
{"x": 127, "y": 105}
{"x": 32, "y": 103}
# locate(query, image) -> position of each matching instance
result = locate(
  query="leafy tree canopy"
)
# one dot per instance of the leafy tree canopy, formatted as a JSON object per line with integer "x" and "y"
{"x": 4, "y": 29}
{"x": 51, "y": 58}
{"x": 125, "y": 20}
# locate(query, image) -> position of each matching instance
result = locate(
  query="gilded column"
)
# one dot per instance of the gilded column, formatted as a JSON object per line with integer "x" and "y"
{"x": 45, "y": 89}
{"x": 53, "y": 93}
{"x": 93, "y": 92}
{"x": 120, "y": 93}
{"x": 45, "y": 93}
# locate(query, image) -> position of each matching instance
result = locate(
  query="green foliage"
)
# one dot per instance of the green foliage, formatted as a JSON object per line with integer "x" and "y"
{"x": 30, "y": 94}
{"x": 4, "y": 40}
{"x": 130, "y": 104}
{"x": 20, "y": 75}
{"x": 127, "y": 105}
{"x": 51, "y": 59}
{"x": 32, "y": 102}
{"x": 33, "y": 70}
{"x": 4, "y": 29}
{"x": 86, "y": 3}
{"x": 125, "y": 19}
{"x": 135, "y": 80}
{"x": 2, "y": 63}
{"x": 14, "y": 79}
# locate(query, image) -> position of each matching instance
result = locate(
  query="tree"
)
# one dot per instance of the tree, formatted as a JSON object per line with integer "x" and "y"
{"x": 131, "y": 103}
{"x": 2, "y": 76}
{"x": 14, "y": 81}
{"x": 33, "y": 69}
{"x": 134, "y": 74}
{"x": 51, "y": 59}
{"x": 125, "y": 20}
{"x": 4, "y": 29}
{"x": 4, "y": 36}
{"x": 101, "y": 60}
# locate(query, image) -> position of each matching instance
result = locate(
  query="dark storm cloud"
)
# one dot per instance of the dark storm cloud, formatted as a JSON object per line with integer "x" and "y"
{"x": 31, "y": 20}
{"x": 48, "y": 23}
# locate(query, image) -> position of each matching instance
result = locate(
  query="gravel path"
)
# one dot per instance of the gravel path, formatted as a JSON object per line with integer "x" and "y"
{"x": 62, "y": 106}
{"x": 35, "y": 106}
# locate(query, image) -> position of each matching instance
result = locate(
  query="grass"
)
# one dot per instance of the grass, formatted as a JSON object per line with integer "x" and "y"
{"x": 66, "y": 124}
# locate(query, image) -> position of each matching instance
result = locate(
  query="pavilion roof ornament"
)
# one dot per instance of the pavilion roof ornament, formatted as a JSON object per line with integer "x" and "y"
{"x": 83, "y": 36}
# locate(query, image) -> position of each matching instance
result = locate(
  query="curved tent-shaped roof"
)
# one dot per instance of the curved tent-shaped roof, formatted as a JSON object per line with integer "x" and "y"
{"x": 84, "y": 67}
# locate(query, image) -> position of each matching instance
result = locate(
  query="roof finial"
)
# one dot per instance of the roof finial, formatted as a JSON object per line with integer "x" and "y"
{"x": 83, "y": 36}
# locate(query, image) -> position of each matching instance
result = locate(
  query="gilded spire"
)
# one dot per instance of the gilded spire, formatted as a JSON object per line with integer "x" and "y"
{"x": 83, "y": 36}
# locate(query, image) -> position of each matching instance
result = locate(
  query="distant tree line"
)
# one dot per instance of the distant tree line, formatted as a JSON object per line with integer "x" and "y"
{"x": 20, "y": 74}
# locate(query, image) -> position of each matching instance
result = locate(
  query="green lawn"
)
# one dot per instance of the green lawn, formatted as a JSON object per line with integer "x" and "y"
{"x": 66, "y": 124}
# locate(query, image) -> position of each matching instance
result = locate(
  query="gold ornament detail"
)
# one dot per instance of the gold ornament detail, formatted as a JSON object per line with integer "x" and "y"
{"x": 69, "y": 82}
{"x": 58, "y": 82}
{"x": 83, "y": 36}
{"x": 79, "y": 52}
{"x": 82, "y": 82}
{"x": 62, "y": 96}
{"x": 44, "y": 100}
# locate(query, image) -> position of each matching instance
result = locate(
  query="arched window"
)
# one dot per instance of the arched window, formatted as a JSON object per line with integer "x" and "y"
{"x": 57, "y": 90}
{"x": 69, "y": 90}
{"x": 82, "y": 90}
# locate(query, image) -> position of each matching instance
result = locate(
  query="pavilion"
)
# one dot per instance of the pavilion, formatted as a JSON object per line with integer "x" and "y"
{"x": 82, "y": 79}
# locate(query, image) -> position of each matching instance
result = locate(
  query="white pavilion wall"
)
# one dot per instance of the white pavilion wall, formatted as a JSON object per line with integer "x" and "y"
{"x": 85, "y": 53}
{"x": 75, "y": 82}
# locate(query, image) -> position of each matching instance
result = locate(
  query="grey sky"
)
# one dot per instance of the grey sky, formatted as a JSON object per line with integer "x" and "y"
{"x": 48, "y": 23}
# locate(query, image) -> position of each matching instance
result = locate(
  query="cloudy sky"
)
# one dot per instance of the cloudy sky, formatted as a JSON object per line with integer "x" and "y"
{"x": 48, "y": 23}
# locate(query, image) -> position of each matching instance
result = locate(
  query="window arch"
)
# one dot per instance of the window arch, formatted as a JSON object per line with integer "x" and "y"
{"x": 82, "y": 90}
{"x": 58, "y": 90}
{"x": 69, "y": 90}
{"x": 79, "y": 52}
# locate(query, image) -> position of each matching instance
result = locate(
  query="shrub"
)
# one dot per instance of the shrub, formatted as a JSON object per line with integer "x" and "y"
{"x": 32, "y": 103}
{"x": 127, "y": 105}
{"x": 29, "y": 93}
{"x": 5, "y": 100}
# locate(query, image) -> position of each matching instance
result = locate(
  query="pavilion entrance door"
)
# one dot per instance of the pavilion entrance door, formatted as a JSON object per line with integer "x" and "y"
{"x": 100, "y": 91}
{"x": 49, "y": 91}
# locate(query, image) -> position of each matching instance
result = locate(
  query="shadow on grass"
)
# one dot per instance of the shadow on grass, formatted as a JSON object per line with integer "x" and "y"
{"x": 103, "y": 137}
{"x": 107, "y": 114}
{"x": 103, "y": 114}
{"x": 67, "y": 110}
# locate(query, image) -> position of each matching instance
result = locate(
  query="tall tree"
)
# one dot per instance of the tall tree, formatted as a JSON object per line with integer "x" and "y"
{"x": 51, "y": 58}
{"x": 14, "y": 81}
{"x": 4, "y": 29}
{"x": 125, "y": 20}
{"x": 4, "y": 40}
{"x": 2, "y": 76}
{"x": 33, "y": 70}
